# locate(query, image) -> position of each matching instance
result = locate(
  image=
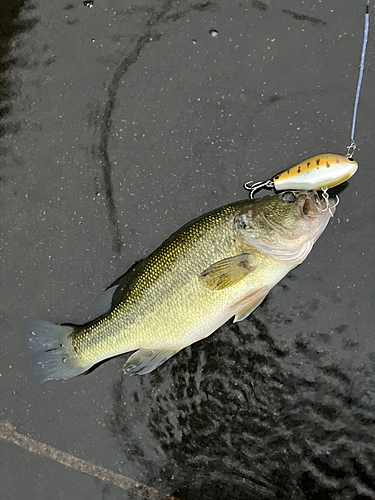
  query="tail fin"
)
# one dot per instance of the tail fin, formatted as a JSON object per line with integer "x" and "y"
{"x": 56, "y": 358}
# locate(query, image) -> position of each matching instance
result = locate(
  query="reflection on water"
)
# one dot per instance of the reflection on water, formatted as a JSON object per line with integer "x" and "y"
{"x": 235, "y": 416}
{"x": 11, "y": 24}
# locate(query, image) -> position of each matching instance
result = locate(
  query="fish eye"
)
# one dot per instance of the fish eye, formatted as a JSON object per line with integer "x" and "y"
{"x": 288, "y": 196}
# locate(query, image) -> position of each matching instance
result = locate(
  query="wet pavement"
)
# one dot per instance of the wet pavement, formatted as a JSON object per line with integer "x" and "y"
{"x": 119, "y": 123}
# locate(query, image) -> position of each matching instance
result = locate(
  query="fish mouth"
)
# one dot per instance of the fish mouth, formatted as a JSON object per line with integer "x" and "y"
{"x": 312, "y": 206}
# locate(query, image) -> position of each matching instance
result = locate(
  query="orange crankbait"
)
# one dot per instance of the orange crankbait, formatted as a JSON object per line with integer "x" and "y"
{"x": 321, "y": 171}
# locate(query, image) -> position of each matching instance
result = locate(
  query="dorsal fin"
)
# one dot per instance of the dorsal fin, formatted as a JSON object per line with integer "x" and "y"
{"x": 114, "y": 294}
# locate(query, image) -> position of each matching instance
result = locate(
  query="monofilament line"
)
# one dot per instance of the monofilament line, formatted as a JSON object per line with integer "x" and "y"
{"x": 352, "y": 146}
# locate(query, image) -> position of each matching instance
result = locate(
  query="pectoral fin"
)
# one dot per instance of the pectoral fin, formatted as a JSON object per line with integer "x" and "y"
{"x": 227, "y": 272}
{"x": 146, "y": 360}
{"x": 250, "y": 303}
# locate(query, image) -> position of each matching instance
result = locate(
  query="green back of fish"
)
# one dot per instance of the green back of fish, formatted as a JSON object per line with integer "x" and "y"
{"x": 159, "y": 299}
{"x": 214, "y": 229}
{"x": 212, "y": 269}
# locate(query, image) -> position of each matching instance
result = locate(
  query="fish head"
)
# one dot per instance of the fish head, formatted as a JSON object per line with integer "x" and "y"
{"x": 284, "y": 226}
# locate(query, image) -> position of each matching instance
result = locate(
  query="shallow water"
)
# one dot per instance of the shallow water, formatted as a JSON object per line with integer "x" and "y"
{"x": 120, "y": 123}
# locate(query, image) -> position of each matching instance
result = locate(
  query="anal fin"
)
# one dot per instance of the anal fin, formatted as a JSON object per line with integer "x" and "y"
{"x": 146, "y": 360}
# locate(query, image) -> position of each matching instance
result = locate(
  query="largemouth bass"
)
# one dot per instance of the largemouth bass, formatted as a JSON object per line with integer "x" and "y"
{"x": 221, "y": 265}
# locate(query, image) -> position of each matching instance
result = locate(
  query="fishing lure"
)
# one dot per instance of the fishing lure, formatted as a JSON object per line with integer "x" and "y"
{"x": 326, "y": 170}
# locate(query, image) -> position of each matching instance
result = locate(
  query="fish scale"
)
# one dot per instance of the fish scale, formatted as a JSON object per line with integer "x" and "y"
{"x": 146, "y": 290}
{"x": 220, "y": 265}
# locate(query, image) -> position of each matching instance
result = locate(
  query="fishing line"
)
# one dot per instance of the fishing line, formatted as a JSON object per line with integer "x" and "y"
{"x": 353, "y": 145}
{"x": 305, "y": 175}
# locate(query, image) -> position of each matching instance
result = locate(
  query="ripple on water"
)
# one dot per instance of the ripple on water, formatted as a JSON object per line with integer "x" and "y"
{"x": 236, "y": 415}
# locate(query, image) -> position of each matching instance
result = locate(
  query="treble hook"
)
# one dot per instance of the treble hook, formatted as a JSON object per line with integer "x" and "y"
{"x": 253, "y": 187}
{"x": 325, "y": 197}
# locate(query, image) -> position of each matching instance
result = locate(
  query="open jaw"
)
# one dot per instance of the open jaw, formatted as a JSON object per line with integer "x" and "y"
{"x": 313, "y": 207}
{"x": 317, "y": 213}
{"x": 324, "y": 209}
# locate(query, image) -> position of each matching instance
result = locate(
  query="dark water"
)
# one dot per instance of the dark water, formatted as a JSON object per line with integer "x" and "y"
{"x": 122, "y": 121}
{"x": 248, "y": 416}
